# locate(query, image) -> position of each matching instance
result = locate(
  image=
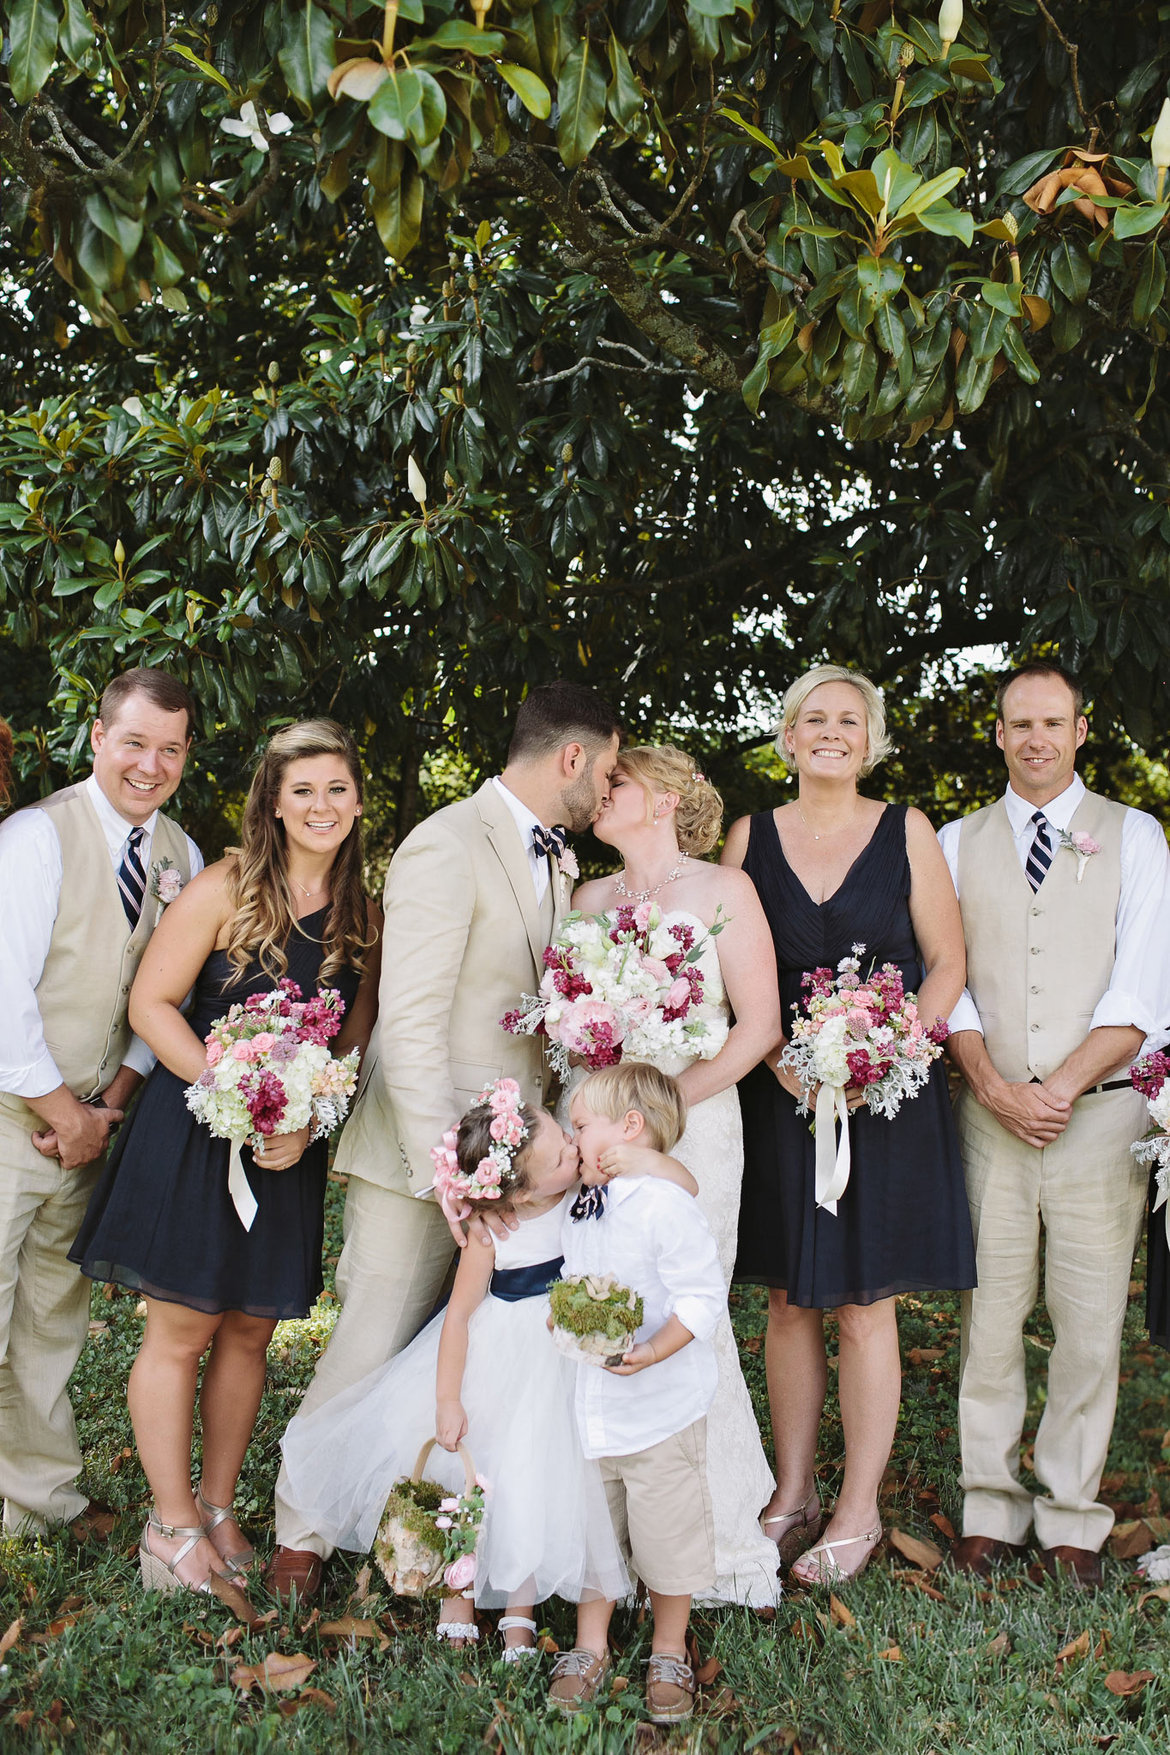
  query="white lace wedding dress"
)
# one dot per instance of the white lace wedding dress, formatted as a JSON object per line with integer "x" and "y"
{"x": 737, "y": 1470}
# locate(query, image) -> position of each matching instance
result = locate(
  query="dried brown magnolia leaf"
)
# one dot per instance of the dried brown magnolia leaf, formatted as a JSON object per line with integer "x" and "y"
{"x": 914, "y": 1549}
{"x": 230, "y": 1638}
{"x": 9, "y": 1639}
{"x": 925, "y": 1355}
{"x": 547, "y": 1643}
{"x": 706, "y": 1673}
{"x": 275, "y": 1674}
{"x": 619, "y": 1684}
{"x": 943, "y": 1525}
{"x": 1128, "y": 1682}
{"x": 892, "y": 1654}
{"x": 348, "y": 1627}
{"x": 1162, "y": 1593}
{"x": 1130, "y": 1539}
{"x": 1079, "y": 1647}
{"x": 839, "y": 1613}
{"x": 721, "y": 1705}
{"x": 361, "y": 1584}
{"x": 804, "y": 337}
{"x": 1039, "y": 311}
{"x": 1000, "y": 1646}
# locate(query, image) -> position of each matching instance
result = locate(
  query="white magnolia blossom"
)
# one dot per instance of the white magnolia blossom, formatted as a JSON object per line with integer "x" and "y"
{"x": 248, "y": 127}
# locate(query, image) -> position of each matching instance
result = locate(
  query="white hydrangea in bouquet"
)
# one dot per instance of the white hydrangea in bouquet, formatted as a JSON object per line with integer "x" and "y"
{"x": 624, "y": 986}
{"x": 270, "y": 1070}
{"x": 1151, "y": 1076}
{"x": 859, "y": 1032}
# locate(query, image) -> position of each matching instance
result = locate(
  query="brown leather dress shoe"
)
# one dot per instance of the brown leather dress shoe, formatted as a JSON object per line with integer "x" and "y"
{"x": 980, "y": 1554}
{"x": 294, "y": 1569}
{"x": 1080, "y": 1567}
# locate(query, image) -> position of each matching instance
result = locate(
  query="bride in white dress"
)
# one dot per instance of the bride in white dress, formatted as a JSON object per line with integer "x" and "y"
{"x": 660, "y": 813}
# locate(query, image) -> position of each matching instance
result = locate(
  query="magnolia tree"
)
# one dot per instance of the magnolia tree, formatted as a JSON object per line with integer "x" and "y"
{"x": 389, "y": 358}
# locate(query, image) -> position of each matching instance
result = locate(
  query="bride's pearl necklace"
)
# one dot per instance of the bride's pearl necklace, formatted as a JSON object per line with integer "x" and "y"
{"x": 645, "y": 895}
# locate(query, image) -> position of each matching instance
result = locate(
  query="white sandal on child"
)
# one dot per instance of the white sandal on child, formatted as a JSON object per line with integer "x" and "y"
{"x": 457, "y": 1632}
{"x": 514, "y": 1654}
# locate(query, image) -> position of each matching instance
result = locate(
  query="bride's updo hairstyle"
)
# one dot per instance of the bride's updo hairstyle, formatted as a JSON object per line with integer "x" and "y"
{"x": 878, "y": 745}
{"x": 265, "y": 913}
{"x": 664, "y": 768}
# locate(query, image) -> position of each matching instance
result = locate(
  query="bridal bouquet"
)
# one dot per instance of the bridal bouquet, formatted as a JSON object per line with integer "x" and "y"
{"x": 1151, "y": 1076}
{"x": 269, "y": 1070}
{"x": 864, "y": 1033}
{"x": 594, "y": 1318}
{"x": 624, "y": 985}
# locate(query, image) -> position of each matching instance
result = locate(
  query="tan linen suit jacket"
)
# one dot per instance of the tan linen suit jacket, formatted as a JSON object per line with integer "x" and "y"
{"x": 464, "y": 937}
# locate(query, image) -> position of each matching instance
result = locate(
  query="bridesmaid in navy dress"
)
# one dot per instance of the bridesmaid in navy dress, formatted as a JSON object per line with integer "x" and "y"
{"x": 834, "y": 869}
{"x": 288, "y": 902}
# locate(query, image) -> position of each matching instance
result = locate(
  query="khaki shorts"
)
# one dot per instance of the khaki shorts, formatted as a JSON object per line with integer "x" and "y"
{"x": 661, "y": 1512}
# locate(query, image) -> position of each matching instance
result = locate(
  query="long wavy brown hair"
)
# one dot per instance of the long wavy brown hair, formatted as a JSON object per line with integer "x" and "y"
{"x": 265, "y": 914}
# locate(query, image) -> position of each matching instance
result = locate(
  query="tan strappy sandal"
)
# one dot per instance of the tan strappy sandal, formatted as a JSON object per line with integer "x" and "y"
{"x": 213, "y": 1515}
{"x": 829, "y": 1569}
{"x": 799, "y": 1528}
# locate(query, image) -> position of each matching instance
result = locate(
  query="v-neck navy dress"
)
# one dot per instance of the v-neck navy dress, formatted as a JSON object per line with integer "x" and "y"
{"x": 903, "y": 1223}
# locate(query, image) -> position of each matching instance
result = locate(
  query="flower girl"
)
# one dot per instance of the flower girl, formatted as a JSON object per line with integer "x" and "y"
{"x": 484, "y": 1369}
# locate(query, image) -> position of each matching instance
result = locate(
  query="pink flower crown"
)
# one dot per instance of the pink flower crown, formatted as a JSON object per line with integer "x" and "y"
{"x": 495, "y": 1173}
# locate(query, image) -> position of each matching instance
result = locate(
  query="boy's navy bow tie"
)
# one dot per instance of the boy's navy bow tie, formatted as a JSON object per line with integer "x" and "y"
{"x": 590, "y": 1203}
{"x": 549, "y": 840}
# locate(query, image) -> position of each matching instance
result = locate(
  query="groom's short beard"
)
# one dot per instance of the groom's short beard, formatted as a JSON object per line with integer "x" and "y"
{"x": 580, "y": 803}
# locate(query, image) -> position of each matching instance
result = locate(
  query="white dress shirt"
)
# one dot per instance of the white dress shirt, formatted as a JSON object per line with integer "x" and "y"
{"x": 1139, "y": 989}
{"x": 31, "y": 870}
{"x": 655, "y": 1240}
{"x": 525, "y": 823}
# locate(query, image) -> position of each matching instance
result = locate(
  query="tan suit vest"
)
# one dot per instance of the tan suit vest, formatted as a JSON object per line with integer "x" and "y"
{"x": 84, "y": 991}
{"x": 1038, "y": 962}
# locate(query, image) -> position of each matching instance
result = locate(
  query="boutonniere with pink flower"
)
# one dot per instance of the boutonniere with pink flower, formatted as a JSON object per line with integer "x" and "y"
{"x": 567, "y": 865}
{"x": 1082, "y": 845}
{"x": 166, "y": 881}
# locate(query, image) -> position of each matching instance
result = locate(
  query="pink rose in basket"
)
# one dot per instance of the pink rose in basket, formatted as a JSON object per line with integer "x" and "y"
{"x": 460, "y": 1575}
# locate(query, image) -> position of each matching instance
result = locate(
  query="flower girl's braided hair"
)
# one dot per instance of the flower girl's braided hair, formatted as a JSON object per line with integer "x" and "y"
{"x": 482, "y": 1160}
{"x": 665, "y": 768}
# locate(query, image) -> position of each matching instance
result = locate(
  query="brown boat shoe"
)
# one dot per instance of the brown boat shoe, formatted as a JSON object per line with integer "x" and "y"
{"x": 576, "y": 1678}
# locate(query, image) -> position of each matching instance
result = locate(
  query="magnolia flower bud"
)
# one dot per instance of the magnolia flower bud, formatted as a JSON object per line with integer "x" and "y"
{"x": 119, "y": 555}
{"x": 1160, "y": 138}
{"x": 382, "y": 338}
{"x": 449, "y": 481}
{"x": 412, "y": 353}
{"x": 1010, "y": 226}
{"x": 275, "y": 469}
{"x": 566, "y": 453}
{"x": 416, "y": 480}
{"x": 950, "y": 21}
{"x": 473, "y": 283}
{"x": 273, "y": 372}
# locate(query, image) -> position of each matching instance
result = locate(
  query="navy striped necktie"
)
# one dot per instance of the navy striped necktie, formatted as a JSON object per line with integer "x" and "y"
{"x": 132, "y": 878}
{"x": 1040, "y": 852}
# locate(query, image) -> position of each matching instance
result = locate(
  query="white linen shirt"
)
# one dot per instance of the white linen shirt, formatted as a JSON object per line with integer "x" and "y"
{"x": 1139, "y": 989}
{"x": 525, "y": 822}
{"x": 31, "y": 870}
{"x": 655, "y": 1240}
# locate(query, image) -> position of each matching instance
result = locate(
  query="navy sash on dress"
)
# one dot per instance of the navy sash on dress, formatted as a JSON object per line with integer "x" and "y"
{"x": 513, "y": 1284}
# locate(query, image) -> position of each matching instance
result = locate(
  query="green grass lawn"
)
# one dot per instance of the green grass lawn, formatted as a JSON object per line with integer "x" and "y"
{"x": 909, "y": 1660}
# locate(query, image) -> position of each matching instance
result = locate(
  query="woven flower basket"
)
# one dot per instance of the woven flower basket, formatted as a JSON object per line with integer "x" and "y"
{"x": 409, "y": 1548}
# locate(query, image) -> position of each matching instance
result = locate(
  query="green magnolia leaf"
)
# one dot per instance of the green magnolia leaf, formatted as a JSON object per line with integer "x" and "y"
{"x": 77, "y": 33}
{"x": 306, "y": 53}
{"x": 927, "y": 194}
{"x": 1004, "y": 296}
{"x": 394, "y": 103}
{"x": 1082, "y": 618}
{"x": 1071, "y": 270}
{"x": 773, "y": 340}
{"x": 712, "y": 8}
{"x": 758, "y": 135}
{"x": 625, "y": 99}
{"x": 1025, "y": 172}
{"x": 581, "y": 92}
{"x": 1151, "y": 284}
{"x": 1017, "y": 353}
{"x": 398, "y": 212}
{"x": 859, "y": 369}
{"x": 32, "y": 34}
{"x": 985, "y": 331}
{"x": 972, "y": 382}
{"x": 203, "y": 67}
{"x": 1133, "y": 222}
{"x": 879, "y": 280}
{"x": 457, "y": 33}
{"x": 862, "y": 188}
{"x": 896, "y": 180}
{"x": 426, "y": 122}
{"x": 947, "y": 222}
{"x": 529, "y": 88}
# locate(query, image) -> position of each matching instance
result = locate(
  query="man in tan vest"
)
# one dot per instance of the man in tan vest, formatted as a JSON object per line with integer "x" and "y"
{"x": 473, "y": 897}
{"x": 79, "y": 880}
{"x": 1064, "y": 902}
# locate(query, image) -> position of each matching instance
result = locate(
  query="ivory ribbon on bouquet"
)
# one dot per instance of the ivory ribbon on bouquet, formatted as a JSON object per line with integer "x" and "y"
{"x": 243, "y": 1199}
{"x": 832, "y": 1153}
{"x": 1161, "y": 1202}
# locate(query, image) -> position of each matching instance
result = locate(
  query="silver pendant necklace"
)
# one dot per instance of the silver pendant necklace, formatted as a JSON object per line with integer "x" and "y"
{"x": 645, "y": 895}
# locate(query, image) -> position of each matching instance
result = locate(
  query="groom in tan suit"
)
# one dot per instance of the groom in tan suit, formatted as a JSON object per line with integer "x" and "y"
{"x": 473, "y": 896}
{"x": 1064, "y": 901}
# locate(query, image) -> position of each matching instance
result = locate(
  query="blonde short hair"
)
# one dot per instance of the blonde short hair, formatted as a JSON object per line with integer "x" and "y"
{"x": 665, "y": 768}
{"x": 878, "y": 744}
{"x": 635, "y": 1084}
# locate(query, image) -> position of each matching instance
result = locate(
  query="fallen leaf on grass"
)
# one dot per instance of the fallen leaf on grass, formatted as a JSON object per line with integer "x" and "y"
{"x": 943, "y": 1524}
{"x": 839, "y": 1613}
{"x": 234, "y": 1599}
{"x": 893, "y": 1653}
{"x": 361, "y": 1585}
{"x": 347, "y": 1627}
{"x": 547, "y": 1643}
{"x": 9, "y": 1639}
{"x": 308, "y": 1697}
{"x": 57, "y": 1627}
{"x": 706, "y": 1673}
{"x": 806, "y": 1630}
{"x": 1130, "y": 1539}
{"x": 919, "y": 1580}
{"x": 918, "y": 1552}
{"x": 925, "y": 1355}
{"x": 1079, "y": 1647}
{"x": 1000, "y": 1646}
{"x": 1128, "y": 1682}
{"x": 275, "y": 1674}
{"x": 619, "y": 1684}
{"x": 230, "y": 1638}
{"x": 1162, "y": 1593}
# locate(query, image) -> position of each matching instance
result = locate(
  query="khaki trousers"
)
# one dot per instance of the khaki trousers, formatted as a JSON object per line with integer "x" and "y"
{"x": 1089, "y": 1194}
{"x": 396, "y": 1255}
{"x": 44, "y": 1321}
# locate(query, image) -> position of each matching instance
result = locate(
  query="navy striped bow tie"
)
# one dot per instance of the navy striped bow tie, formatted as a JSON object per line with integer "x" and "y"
{"x": 1040, "y": 852}
{"x": 590, "y": 1203}
{"x": 132, "y": 878}
{"x": 549, "y": 840}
